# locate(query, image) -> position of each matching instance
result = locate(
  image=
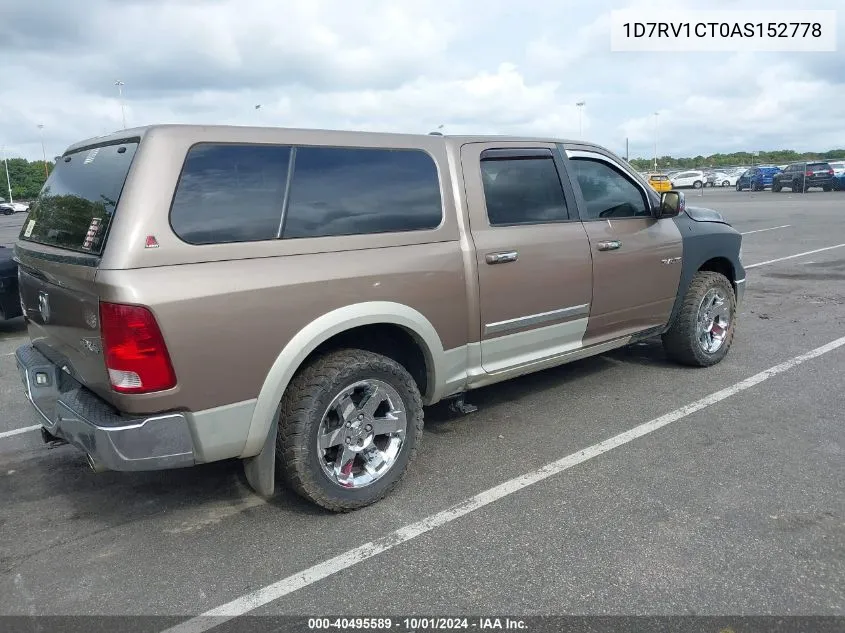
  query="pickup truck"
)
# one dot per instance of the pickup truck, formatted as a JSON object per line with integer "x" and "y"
{"x": 294, "y": 298}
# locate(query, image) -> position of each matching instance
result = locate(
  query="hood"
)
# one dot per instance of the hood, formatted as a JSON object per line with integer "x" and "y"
{"x": 700, "y": 214}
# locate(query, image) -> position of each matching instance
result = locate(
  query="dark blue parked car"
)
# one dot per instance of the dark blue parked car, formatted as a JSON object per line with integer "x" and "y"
{"x": 756, "y": 178}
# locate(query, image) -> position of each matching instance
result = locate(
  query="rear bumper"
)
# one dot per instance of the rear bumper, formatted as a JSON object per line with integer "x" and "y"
{"x": 114, "y": 441}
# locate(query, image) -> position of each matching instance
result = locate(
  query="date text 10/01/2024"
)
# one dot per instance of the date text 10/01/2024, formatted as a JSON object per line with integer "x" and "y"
{"x": 416, "y": 624}
{"x": 722, "y": 29}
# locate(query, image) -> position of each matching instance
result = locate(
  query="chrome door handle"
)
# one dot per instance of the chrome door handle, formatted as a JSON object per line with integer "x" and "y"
{"x": 501, "y": 258}
{"x": 609, "y": 246}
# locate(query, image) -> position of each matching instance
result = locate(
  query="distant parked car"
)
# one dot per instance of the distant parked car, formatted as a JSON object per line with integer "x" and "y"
{"x": 659, "y": 182}
{"x": 838, "y": 167}
{"x": 728, "y": 178}
{"x": 756, "y": 178}
{"x": 10, "y": 302}
{"x": 8, "y": 208}
{"x": 694, "y": 179}
{"x": 800, "y": 177}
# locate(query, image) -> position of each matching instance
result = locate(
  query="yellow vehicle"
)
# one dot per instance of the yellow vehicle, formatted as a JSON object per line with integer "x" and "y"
{"x": 660, "y": 182}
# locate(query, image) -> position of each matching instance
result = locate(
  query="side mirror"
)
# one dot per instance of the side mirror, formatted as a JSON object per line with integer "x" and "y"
{"x": 672, "y": 203}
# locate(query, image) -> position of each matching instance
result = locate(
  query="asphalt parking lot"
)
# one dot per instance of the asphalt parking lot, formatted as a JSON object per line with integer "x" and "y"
{"x": 736, "y": 507}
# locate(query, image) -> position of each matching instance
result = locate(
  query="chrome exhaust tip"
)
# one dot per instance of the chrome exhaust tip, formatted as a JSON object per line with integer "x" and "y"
{"x": 94, "y": 465}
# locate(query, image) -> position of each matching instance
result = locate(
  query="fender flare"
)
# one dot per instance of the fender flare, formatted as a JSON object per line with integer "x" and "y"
{"x": 322, "y": 329}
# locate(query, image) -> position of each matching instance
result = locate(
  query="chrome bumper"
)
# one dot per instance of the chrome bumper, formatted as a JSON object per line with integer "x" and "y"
{"x": 114, "y": 441}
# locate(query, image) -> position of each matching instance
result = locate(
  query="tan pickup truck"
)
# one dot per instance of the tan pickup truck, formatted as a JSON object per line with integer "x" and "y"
{"x": 294, "y": 298}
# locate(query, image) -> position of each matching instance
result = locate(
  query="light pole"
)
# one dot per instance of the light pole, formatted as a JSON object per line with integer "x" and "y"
{"x": 656, "y": 114}
{"x": 120, "y": 85}
{"x": 580, "y": 106}
{"x": 8, "y": 180}
{"x": 43, "y": 152}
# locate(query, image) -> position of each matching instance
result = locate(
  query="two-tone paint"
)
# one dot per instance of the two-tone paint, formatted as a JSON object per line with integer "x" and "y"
{"x": 465, "y": 304}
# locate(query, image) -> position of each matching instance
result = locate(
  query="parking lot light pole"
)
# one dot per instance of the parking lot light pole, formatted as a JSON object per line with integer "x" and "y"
{"x": 656, "y": 114}
{"x": 580, "y": 106}
{"x": 120, "y": 85}
{"x": 43, "y": 151}
{"x": 8, "y": 180}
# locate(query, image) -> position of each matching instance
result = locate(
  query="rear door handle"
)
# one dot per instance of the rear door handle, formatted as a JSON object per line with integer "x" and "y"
{"x": 609, "y": 246}
{"x": 501, "y": 258}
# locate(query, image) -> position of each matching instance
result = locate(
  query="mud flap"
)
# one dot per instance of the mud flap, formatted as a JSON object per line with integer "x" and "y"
{"x": 260, "y": 470}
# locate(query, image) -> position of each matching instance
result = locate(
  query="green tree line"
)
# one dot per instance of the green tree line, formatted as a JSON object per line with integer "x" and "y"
{"x": 778, "y": 157}
{"x": 26, "y": 178}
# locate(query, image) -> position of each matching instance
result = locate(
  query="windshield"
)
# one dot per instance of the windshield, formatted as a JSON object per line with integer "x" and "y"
{"x": 76, "y": 204}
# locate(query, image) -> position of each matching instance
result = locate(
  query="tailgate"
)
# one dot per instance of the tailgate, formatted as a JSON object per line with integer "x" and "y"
{"x": 62, "y": 309}
{"x": 58, "y": 252}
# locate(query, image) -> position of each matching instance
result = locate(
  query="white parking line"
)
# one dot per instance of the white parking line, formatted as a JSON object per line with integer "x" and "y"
{"x": 784, "y": 226}
{"x": 25, "y": 429}
{"x": 780, "y": 259}
{"x": 326, "y": 568}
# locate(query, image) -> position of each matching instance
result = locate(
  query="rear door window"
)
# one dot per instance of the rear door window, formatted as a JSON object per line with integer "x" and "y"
{"x": 77, "y": 203}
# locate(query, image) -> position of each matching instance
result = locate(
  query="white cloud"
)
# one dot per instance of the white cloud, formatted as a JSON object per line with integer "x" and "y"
{"x": 492, "y": 67}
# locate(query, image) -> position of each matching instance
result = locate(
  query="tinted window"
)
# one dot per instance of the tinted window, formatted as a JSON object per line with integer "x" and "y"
{"x": 818, "y": 166}
{"x": 346, "y": 191}
{"x": 607, "y": 192}
{"x": 522, "y": 191}
{"x": 230, "y": 193}
{"x": 76, "y": 204}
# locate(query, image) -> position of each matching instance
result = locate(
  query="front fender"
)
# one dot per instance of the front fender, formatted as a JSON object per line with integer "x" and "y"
{"x": 322, "y": 329}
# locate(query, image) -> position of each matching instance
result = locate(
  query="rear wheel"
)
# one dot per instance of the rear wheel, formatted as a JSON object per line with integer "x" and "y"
{"x": 797, "y": 186}
{"x": 726, "y": 183}
{"x": 827, "y": 188}
{"x": 776, "y": 186}
{"x": 349, "y": 427}
{"x": 696, "y": 184}
{"x": 738, "y": 187}
{"x": 703, "y": 330}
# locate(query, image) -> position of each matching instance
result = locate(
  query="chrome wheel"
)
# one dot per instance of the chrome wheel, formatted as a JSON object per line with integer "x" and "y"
{"x": 361, "y": 433}
{"x": 713, "y": 321}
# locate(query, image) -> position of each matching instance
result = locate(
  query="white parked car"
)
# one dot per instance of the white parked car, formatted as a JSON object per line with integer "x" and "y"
{"x": 694, "y": 179}
{"x": 8, "y": 208}
{"x": 728, "y": 178}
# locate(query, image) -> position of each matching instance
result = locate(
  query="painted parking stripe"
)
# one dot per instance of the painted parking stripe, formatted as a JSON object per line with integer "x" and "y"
{"x": 326, "y": 568}
{"x": 25, "y": 429}
{"x": 773, "y": 228}
{"x": 781, "y": 259}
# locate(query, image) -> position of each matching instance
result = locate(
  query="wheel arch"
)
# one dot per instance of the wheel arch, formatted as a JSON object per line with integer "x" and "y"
{"x": 419, "y": 343}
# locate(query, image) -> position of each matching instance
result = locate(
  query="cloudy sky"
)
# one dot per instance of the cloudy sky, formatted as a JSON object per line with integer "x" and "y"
{"x": 474, "y": 66}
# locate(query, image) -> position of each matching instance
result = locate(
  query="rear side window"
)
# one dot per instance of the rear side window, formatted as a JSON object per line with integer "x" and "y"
{"x": 79, "y": 199}
{"x": 230, "y": 193}
{"x": 523, "y": 191}
{"x": 350, "y": 191}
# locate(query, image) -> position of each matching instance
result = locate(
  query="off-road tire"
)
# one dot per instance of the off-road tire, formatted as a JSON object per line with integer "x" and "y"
{"x": 680, "y": 342}
{"x": 301, "y": 411}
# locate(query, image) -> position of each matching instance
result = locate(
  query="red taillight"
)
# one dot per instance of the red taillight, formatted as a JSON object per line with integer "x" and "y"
{"x": 136, "y": 356}
{"x": 809, "y": 173}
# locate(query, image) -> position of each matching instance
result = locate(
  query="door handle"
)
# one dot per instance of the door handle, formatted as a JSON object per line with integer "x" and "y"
{"x": 609, "y": 246}
{"x": 501, "y": 258}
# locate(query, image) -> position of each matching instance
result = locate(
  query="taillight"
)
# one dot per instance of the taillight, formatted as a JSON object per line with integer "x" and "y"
{"x": 809, "y": 173}
{"x": 136, "y": 356}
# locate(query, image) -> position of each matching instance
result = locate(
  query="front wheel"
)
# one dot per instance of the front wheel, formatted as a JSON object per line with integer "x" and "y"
{"x": 349, "y": 426}
{"x": 726, "y": 183}
{"x": 703, "y": 330}
{"x": 696, "y": 184}
{"x": 776, "y": 187}
{"x": 797, "y": 186}
{"x": 738, "y": 187}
